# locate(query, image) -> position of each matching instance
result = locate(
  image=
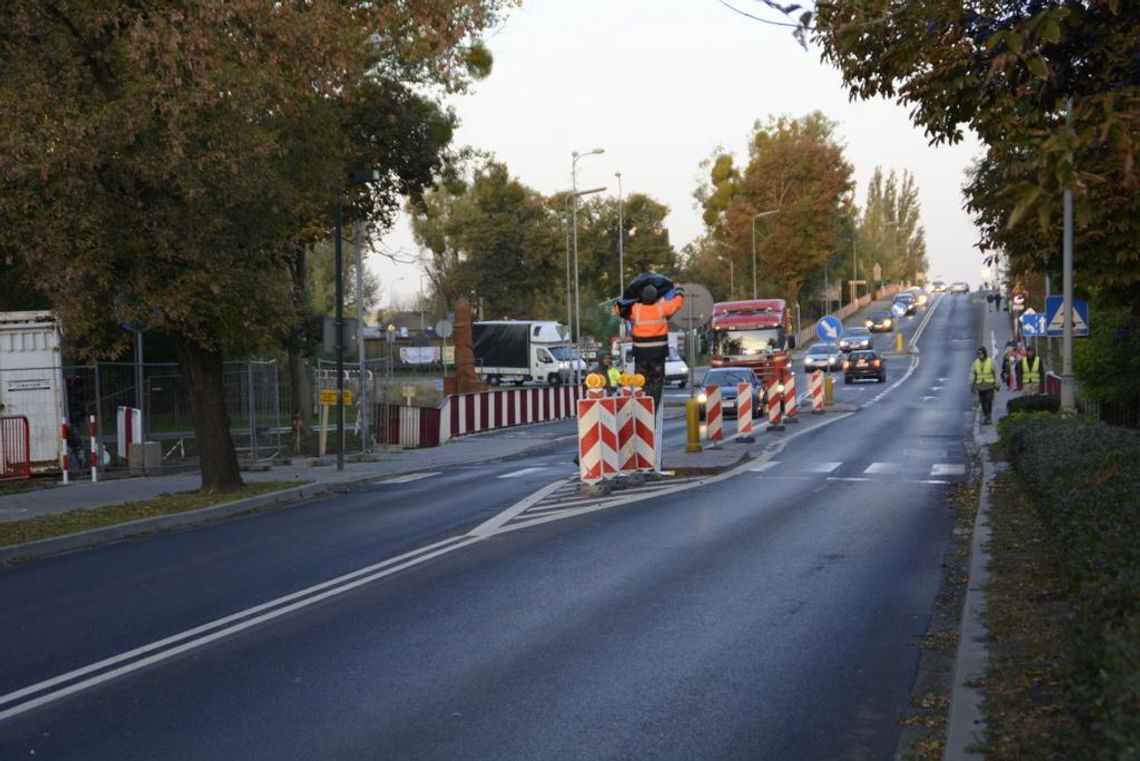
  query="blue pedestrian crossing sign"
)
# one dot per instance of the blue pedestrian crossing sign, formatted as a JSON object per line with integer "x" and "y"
{"x": 829, "y": 329}
{"x": 1055, "y": 319}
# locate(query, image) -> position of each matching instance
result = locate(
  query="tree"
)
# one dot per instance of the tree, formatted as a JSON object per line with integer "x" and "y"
{"x": 1050, "y": 87}
{"x": 889, "y": 233}
{"x": 795, "y": 166}
{"x": 163, "y": 166}
{"x": 495, "y": 239}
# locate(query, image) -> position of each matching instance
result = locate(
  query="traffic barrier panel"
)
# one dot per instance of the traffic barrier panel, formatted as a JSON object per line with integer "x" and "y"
{"x": 714, "y": 412}
{"x": 627, "y": 458}
{"x": 644, "y": 432}
{"x": 817, "y": 393}
{"x": 15, "y": 447}
{"x": 92, "y": 432}
{"x": 128, "y": 430}
{"x": 744, "y": 411}
{"x": 597, "y": 437}
{"x": 775, "y": 403}
{"x": 791, "y": 409}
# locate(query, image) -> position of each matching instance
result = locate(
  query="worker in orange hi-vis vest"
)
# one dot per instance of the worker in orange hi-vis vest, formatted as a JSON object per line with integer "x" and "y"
{"x": 649, "y": 319}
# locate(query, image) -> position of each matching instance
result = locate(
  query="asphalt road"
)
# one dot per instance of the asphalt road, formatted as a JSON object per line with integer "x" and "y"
{"x": 770, "y": 613}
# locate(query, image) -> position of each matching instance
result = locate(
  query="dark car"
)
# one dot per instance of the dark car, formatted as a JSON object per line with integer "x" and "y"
{"x": 864, "y": 364}
{"x": 823, "y": 357}
{"x": 908, "y": 300}
{"x": 855, "y": 338}
{"x": 880, "y": 321}
{"x": 727, "y": 379}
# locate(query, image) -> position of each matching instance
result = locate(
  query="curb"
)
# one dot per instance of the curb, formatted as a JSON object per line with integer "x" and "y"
{"x": 965, "y": 722}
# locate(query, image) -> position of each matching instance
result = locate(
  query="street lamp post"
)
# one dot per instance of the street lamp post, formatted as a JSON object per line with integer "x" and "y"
{"x": 355, "y": 177}
{"x": 574, "y": 232}
{"x": 621, "y": 239}
{"x": 755, "y": 217}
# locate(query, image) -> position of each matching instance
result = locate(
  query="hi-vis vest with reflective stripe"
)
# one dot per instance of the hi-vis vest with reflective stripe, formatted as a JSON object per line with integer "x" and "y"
{"x": 651, "y": 322}
{"x": 984, "y": 371}
{"x": 1031, "y": 374}
{"x": 614, "y": 376}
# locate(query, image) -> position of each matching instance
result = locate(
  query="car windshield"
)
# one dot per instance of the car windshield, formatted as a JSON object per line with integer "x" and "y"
{"x": 822, "y": 349}
{"x": 730, "y": 343}
{"x": 863, "y": 355}
{"x": 727, "y": 378}
{"x": 856, "y": 333}
{"x": 880, "y": 315}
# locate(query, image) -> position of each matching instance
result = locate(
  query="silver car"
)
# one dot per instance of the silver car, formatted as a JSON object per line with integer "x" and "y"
{"x": 823, "y": 356}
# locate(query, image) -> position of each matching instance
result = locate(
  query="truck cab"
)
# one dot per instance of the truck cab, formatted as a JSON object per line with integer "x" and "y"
{"x": 755, "y": 333}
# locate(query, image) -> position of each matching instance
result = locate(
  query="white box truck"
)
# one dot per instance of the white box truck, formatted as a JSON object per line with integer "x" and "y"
{"x": 31, "y": 380}
{"x": 517, "y": 351}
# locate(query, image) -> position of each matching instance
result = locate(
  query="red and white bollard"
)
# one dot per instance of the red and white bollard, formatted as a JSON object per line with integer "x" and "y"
{"x": 64, "y": 463}
{"x": 714, "y": 416}
{"x": 94, "y": 449}
{"x": 744, "y": 413}
{"x": 790, "y": 409}
{"x": 644, "y": 432}
{"x": 817, "y": 393}
{"x": 775, "y": 403}
{"x": 597, "y": 437}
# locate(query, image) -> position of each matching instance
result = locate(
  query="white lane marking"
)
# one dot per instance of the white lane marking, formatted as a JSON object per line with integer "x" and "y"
{"x": 948, "y": 469}
{"x": 525, "y": 472}
{"x": 943, "y": 380}
{"x": 760, "y": 467}
{"x": 928, "y": 398}
{"x": 488, "y": 527}
{"x": 847, "y": 478}
{"x": 822, "y": 467}
{"x": 405, "y": 479}
{"x": 936, "y": 388}
{"x": 882, "y": 468}
{"x": 231, "y": 624}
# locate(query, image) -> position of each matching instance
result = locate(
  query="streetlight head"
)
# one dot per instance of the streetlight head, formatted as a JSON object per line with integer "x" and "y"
{"x": 598, "y": 150}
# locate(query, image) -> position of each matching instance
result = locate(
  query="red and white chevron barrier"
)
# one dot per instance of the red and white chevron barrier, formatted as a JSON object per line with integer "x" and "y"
{"x": 597, "y": 437}
{"x": 644, "y": 433}
{"x": 817, "y": 393}
{"x": 64, "y": 465}
{"x": 790, "y": 409}
{"x": 94, "y": 448}
{"x": 775, "y": 402}
{"x": 714, "y": 415}
{"x": 744, "y": 412}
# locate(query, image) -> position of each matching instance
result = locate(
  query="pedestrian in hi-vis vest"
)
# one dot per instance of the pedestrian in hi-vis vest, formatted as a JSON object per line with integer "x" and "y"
{"x": 984, "y": 381}
{"x": 1029, "y": 372}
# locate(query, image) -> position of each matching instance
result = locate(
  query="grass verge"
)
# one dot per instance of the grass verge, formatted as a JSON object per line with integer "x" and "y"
{"x": 1026, "y": 610}
{"x": 74, "y": 521}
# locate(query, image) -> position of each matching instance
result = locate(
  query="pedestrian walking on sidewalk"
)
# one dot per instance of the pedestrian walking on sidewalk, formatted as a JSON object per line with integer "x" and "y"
{"x": 1029, "y": 372}
{"x": 983, "y": 380}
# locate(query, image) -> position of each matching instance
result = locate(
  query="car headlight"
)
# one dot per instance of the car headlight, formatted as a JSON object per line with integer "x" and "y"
{"x": 870, "y": 323}
{"x": 887, "y": 323}
{"x": 702, "y": 397}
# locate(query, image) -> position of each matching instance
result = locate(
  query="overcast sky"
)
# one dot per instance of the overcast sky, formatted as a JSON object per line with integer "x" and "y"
{"x": 660, "y": 85}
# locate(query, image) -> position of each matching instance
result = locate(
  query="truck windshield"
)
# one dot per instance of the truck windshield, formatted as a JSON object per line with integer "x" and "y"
{"x": 562, "y": 353}
{"x": 737, "y": 343}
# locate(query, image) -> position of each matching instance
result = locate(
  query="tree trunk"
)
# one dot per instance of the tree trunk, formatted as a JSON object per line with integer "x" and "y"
{"x": 218, "y": 459}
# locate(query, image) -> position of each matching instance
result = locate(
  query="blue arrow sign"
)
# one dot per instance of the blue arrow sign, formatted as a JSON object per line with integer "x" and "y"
{"x": 829, "y": 329}
{"x": 898, "y": 309}
{"x": 1054, "y": 318}
{"x": 1032, "y": 325}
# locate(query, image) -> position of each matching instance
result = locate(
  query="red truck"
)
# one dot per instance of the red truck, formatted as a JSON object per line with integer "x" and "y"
{"x": 756, "y": 333}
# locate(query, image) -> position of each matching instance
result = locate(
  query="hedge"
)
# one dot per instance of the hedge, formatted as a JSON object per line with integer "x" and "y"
{"x": 1033, "y": 403}
{"x": 1085, "y": 479}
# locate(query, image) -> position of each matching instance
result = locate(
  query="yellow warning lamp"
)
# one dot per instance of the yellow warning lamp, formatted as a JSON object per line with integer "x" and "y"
{"x": 625, "y": 379}
{"x": 594, "y": 380}
{"x": 638, "y": 380}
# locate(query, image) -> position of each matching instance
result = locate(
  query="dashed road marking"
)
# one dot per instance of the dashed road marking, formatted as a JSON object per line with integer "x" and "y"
{"x": 405, "y": 479}
{"x": 525, "y": 472}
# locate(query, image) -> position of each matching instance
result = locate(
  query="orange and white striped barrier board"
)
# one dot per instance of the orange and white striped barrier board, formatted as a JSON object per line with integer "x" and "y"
{"x": 644, "y": 432}
{"x": 775, "y": 402}
{"x": 597, "y": 436}
{"x": 817, "y": 392}
{"x": 744, "y": 411}
{"x": 791, "y": 410}
{"x": 714, "y": 415}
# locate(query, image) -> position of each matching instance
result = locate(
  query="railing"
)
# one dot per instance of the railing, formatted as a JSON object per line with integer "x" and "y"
{"x": 15, "y": 448}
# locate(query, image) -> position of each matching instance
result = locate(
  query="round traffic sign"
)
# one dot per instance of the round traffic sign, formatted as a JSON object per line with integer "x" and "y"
{"x": 443, "y": 328}
{"x": 829, "y": 329}
{"x": 898, "y": 309}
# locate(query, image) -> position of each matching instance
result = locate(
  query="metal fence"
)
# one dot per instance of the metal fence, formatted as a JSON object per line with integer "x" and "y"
{"x": 15, "y": 448}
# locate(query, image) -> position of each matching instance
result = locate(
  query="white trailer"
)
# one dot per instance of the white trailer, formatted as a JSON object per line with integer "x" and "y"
{"x": 31, "y": 380}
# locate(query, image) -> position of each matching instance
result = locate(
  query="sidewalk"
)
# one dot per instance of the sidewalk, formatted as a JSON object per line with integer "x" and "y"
{"x": 965, "y": 724}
